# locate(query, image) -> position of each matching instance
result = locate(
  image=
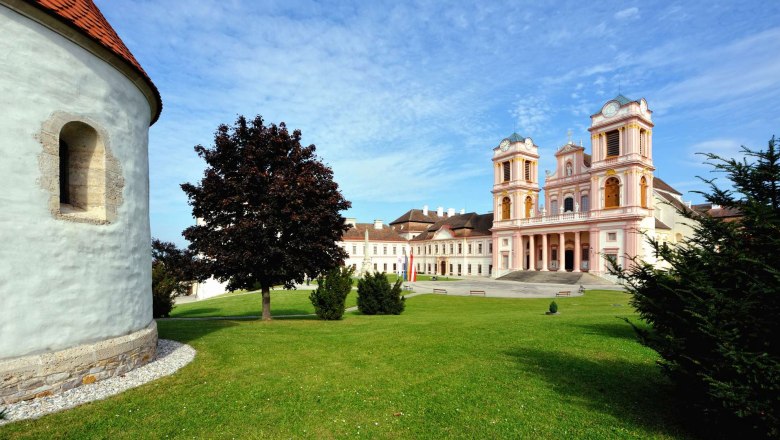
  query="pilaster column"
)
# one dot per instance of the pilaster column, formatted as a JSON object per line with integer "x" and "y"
{"x": 544, "y": 253}
{"x": 561, "y": 252}
{"x": 577, "y": 251}
{"x": 531, "y": 253}
{"x": 521, "y": 254}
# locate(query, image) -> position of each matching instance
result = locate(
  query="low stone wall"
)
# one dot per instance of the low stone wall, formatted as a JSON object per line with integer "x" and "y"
{"x": 28, "y": 377}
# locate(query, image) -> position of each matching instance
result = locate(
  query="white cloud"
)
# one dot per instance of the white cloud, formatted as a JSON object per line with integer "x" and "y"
{"x": 532, "y": 113}
{"x": 627, "y": 14}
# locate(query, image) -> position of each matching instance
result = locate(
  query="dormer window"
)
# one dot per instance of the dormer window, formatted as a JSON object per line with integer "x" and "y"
{"x": 613, "y": 143}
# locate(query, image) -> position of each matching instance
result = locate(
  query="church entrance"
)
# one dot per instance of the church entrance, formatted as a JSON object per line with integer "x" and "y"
{"x": 444, "y": 268}
{"x": 569, "y": 262}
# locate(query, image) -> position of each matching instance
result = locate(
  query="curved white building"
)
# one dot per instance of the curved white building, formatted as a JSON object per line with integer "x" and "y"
{"x": 75, "y": 263}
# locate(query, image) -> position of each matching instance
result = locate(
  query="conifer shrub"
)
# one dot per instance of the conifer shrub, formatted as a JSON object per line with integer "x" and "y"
{"x": 553, "y": 307}
{"x": 713, "y": 311}
{"x": 165, "y": 289}
{"x": 331, "y": 293}
{"x": 377, "y": 297}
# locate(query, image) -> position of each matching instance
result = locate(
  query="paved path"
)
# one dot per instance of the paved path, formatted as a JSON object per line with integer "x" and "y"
{"x": 503, "y": 289}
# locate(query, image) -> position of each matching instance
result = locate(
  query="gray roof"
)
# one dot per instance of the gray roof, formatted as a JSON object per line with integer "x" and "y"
{"x": 622, "y": 99}
{"x": 516, "y": 138}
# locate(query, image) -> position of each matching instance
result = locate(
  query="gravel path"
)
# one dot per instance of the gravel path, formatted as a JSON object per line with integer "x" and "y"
{"x": 170, "y": 356}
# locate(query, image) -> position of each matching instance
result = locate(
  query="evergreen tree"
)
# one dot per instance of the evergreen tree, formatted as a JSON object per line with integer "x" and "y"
{"x": 331, "y": 293}
{"x": 714, "y": 313}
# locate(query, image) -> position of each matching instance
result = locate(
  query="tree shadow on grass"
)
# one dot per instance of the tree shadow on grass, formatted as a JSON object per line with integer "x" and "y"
{"x": 618, "y": 329}
{"x": 633, "y": 392}
{"x": 187, "y": 331}
{"x": 194, "y": 313}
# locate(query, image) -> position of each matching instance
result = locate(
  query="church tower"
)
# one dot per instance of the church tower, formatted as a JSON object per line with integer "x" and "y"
{"x": 622, "y": 162}
{"x": 515, "y": 178}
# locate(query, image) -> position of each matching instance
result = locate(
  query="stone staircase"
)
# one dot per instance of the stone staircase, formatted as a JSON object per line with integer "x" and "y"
{"x": 583, "y": 278}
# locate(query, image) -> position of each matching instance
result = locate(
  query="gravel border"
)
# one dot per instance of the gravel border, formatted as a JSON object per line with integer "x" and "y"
{"x": 169, "y": 358}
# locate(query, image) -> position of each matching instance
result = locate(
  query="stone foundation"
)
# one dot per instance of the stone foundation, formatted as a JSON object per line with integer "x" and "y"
{"x": 33, "y": 376}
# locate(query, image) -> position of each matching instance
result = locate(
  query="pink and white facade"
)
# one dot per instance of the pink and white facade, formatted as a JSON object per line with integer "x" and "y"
{"x": 594, "y": 205}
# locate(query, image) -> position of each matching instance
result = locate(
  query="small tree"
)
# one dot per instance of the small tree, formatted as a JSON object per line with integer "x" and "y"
{"x": 270, "y": 209}
{"x": 377, "y": 297}
{"x": 173, "y": 272}
{"x": 714, "y": 311}
{"x": 331, "y": 293}
{"x": 165, "y": 289}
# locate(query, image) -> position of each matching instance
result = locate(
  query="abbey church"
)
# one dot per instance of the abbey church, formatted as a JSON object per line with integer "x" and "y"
{"x": 595, "y": 204}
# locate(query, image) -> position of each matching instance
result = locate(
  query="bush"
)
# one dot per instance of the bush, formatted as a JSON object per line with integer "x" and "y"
{"x": 714, "y": 311}
{"x": 331, "y": 293}
{"x": 377, "y": 297}
{"x": 165, "y": 288}
{"x": 553, "y": 307}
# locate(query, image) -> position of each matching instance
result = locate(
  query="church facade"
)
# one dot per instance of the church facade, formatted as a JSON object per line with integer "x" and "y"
{"x": 594, "y": 205}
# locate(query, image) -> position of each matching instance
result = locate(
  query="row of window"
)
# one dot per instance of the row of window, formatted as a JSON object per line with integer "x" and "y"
{"x": 420, "y": 268}
{"x": 507, "y": 168}
{"x": 613, "y": 143}
{"x": 430, "y": 249}
{"x": 611, "y": 200}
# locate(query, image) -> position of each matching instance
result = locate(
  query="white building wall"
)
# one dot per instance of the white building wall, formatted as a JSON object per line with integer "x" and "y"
{"x": 64, "y": 283}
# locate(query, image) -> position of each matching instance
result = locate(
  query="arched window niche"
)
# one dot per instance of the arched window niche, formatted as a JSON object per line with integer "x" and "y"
{"x": 83, "y": 178}
{"x": 612, "y": 193}
{"x": 643, "y": 192}
{"x": 506, "y": 208}
{"x": 568, "y": 204}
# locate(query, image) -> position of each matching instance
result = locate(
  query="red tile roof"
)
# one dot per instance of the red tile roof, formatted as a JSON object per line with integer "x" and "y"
{"x": 86, "y": 18}
{"x": 357, "y": 233}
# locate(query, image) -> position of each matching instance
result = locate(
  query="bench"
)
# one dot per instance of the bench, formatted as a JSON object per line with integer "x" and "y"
{"x": 440, "y": 291}
{"x": 563, "y": 293}
{"x": 407, "y": 287}
{"x": 477, "y": 292}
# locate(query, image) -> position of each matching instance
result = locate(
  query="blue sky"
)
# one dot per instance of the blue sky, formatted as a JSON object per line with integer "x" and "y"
{"x": 405, "y": 100}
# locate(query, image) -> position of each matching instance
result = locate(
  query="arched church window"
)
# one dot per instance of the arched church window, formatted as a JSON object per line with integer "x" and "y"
{"x": 554, "y": 207}
{"x": 528, "y": 206}
{"x": 569, "y": 169}
{"x": 612, "y": 193}
{"x": 64, "y": 172}
{"x": 585, "y": 203}
{"x": 528, "y": 171}
{"x": 642, "y": 143}
{"x": 643, "y": 192}
{"x": 568, "y": 204}
{"x": 507, "y": 171}
{"x": 613, "y": 143}
{"x": 82, "y": 170}
{"x": 506, "y": 208}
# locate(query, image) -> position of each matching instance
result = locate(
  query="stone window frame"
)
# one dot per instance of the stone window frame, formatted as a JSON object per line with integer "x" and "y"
{"x": 110, "y": 179}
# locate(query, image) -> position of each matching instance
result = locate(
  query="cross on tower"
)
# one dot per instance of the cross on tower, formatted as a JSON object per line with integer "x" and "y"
{"x": 568, "y": 134}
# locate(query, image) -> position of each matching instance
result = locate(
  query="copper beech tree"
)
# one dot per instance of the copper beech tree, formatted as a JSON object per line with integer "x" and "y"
{"x": 270, "y": 209}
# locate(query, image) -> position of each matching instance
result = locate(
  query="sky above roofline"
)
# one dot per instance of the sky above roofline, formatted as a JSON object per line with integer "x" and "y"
{"x": 406, "y": 100}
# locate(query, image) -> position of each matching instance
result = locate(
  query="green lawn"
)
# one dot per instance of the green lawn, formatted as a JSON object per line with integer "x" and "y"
{"x": 283, "y": 302}
{"x": 448, "y": 367}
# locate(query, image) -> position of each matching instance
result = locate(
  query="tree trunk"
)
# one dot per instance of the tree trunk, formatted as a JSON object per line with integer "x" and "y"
{"x": 266, "y": 303}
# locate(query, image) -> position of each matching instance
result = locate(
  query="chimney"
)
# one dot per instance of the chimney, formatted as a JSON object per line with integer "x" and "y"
{"x": 440, "y": 211}
{"x": 377, "y": 224}
{"x": 450, "y": 212}
{"x": 350, "y": 221}
{"x": 462, "y": 211}
{"x": 425, "y": 209}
